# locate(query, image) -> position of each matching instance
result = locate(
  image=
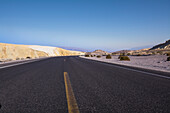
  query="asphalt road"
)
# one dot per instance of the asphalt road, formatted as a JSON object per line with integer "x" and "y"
{"x": 38, "y": 87}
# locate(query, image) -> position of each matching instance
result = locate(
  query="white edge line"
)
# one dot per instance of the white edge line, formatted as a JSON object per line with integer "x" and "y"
{"x": 107, "y": 63}
{"x": 143, "y": 72}
{"x": 19, "y": 63}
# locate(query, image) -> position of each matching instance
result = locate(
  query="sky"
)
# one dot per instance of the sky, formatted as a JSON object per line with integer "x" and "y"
{"x": 85, "y": 24}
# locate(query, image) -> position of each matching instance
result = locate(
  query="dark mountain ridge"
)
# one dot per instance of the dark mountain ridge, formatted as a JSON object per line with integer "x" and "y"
{"x": 165, "y": 45}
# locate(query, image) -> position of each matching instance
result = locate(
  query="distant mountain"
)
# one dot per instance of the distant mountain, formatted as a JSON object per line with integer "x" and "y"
{"x": 163, "y": 48}
{"x": 132, "y": 52}
{"x": 142, "y": 47}
{"x": 74, "y": 48}
{"x": 122, "y": 51}
{"x": 13, "y": 51}
{"x": 98, "y": 52}
{"x": 165, "y": 45}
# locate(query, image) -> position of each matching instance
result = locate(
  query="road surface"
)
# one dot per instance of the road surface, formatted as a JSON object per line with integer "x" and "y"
{"x": 58, "y": 84}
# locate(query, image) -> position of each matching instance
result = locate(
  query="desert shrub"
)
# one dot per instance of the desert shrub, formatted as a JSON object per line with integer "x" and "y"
{"x": 98, "y": 56}
{"x": 160, "y": 52}
{"x": 17, "y": 58}
{"x": 126, "y": 58}
{"x": 22, "y": 58}
{"x": 168, "y": 59}
{"x": 113, "y": 53}
{"x": 91, "y": 55}
{"x": 168, "y": 54}
{"x": 128, "y": 54}
{"x": 120, "y": 56}
{"x": 108, "y": 57}
{"x": 8, "y": 60}
{"x": 153, "y": 53}
{"x": 87, "y": 55}
{"x": 28, "y": 57}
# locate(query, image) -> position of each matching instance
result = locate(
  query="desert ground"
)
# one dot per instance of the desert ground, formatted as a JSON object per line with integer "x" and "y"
{"x": 154, "y": 62}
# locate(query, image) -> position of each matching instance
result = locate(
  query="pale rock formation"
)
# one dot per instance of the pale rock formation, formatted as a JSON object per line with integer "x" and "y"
{"x": 13, "y": 51}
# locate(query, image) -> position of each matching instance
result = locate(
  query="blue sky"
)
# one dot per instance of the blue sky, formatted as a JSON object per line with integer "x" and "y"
{"x": 88, "y": 24}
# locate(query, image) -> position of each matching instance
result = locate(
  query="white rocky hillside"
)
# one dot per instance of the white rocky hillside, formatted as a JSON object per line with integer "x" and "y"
{"x": 13, "y": 51}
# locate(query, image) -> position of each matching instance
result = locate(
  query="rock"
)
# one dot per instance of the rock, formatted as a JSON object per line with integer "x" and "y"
{"x": 15, "y": 52}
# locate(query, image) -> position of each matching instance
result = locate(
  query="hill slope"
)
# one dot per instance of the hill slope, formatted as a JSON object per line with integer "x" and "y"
{"x": 165, "y": 45}
{"x": 97, "y": 52}
{"x": 13, "y": 51}
{"x": 162, "y": 48}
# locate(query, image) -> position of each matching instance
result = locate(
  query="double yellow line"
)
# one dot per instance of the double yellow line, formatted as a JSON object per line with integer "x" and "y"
{"x": 71, "y": 101}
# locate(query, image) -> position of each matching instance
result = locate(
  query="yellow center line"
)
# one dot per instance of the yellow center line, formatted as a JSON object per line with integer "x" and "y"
{"x": 71, "y": 101}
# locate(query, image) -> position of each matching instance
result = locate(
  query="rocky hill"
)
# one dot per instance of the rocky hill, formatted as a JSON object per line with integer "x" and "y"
{"x": 165, "y": 45}
{"x": 163, "y": 48}
{"x": 12, "y": 51}
{"x": 121, "y": 52}
{"x": 97, "y": 52}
